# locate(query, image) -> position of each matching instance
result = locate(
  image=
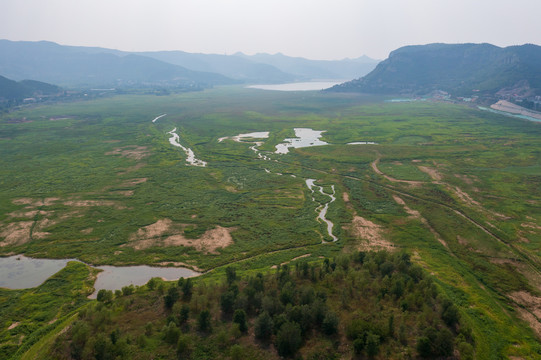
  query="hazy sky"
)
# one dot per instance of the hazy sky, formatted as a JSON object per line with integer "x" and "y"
{"x": 316, "y": 29}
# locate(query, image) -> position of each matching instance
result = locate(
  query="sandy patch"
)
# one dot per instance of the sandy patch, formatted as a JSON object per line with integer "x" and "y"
{"x": 14, "y": 325}
{"x": 529, "y": 308}
{"x": 87, "y": 231}
{"x": 16, "y": 233}
{"x": 179, "y": 264}
{"x": 33, "y": 202}
{"x": 467, "y": 179}
{"x": 345, "y": 197}
{"x": 131, "y": 169}
{"x": 133, "y": 182}
{"x": 133, "y": 152}
{"x": 371, "y": 232}
{"x": 465, "y": 197}
{"x": 165, "y": 233}
{"x": 126, "y": 193}
{"x": 157, "y": 229}
{"x": 296, "y": 258}
{"x": 416, "y": 161}
{"x": 90, "y": 203}
{"x": 433, "y": 173}
{"x": 531, "y": 226}
{"x": 24, "y": 214}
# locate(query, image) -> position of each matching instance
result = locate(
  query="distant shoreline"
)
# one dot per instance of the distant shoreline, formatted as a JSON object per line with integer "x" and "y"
{"x": 506, "y": 106}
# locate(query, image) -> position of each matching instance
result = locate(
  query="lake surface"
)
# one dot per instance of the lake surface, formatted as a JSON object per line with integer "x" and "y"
{"x": 21, "y": 272}
{"x": 304, "y": 138}
{"x": 299, "y": 86}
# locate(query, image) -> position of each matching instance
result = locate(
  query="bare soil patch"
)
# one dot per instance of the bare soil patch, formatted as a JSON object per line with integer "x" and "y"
{"x": 345, "y": 196}
{"x": 89, "y": 203}
{"x": 165, "y": 233}
{"x": 87, "y": 231}
{"x": 374, "y": 166}
{"x": 132, "y": 168}
{"x": 133, "y": 182}
{"x": 14, "y": 325}
{"x": 433, "y": 173}
{"x": 179, "y": 264}
{"x": 16, "y": 233}
{"x": 126, "y": 193}
{"x": 372, "y": 233}
{"x": 34, "y": 202}
{"x": 295, "y": 258}
{"x": 529, "y": 309}
{"x": 133, "y": 152}
{"x": 467, "y": 179}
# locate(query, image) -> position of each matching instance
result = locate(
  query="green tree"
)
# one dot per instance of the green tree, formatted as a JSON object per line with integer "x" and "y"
{"x": 288, "y": 339}
{"x": 203, "y": 321}
{"x": 372, "y": 344}
{"x": 231, "y": 274}
{"x": 104, "y": 296}
{"x": 172, "y": 333}
{"x": 330, "y": 323}
{"x": 240, "y": 318}
{"x": 171, "y": 298}
{"x": 184, "y": 347}
{"x": 263, "y": 326}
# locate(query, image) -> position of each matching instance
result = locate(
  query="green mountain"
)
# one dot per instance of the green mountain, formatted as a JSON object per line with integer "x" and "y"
{"x": 12, "y": 90}
{"x": 460, "y": 69}
{"x": 75, "y": 66}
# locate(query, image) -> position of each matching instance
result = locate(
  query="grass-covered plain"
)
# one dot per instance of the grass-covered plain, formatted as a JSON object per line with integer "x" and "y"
{"x": 457, "y": 188}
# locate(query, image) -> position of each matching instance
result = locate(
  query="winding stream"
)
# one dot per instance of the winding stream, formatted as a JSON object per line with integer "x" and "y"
{"x": 323, "y": 208}
{"x": 190, "y": 156}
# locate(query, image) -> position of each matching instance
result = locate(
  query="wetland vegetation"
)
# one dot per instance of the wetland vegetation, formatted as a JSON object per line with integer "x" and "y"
{"x": 456, "y": 188}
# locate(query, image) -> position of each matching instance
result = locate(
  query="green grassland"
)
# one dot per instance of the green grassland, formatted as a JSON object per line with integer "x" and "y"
{"x": 459, "y": 189}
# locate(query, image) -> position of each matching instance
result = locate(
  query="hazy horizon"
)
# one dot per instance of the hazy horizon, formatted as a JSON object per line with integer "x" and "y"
{"x": 315, "y": 29}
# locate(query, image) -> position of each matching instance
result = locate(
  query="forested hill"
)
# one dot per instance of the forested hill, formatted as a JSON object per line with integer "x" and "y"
{"x": 13, "y": 90}
{"x": 460, "y": 69}
{"x": 363, "y": 305}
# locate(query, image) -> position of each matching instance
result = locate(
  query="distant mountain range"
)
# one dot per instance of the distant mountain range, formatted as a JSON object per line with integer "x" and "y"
{"x": 15, "y": 91}
{"x": 76, "y": 66}
{"x": 459, "y": 69}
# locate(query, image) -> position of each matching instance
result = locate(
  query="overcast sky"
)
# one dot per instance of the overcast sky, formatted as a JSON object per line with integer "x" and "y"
{"x": 316, "y": 29}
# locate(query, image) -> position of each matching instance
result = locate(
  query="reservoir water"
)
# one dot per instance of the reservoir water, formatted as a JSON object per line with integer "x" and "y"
{"x": 299, "y": 86}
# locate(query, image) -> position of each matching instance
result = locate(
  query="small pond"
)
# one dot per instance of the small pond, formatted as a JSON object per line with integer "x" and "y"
{"x": 21, "y": 272}
{"x": 304, "y": 138}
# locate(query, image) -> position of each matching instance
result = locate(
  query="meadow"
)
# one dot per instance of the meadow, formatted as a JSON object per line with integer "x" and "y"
{"x": 457, "y": 188}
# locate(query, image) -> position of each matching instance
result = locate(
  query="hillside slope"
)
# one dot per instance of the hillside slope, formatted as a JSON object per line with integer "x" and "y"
{"x": 12, "y": 90}
{"x": 460, "y": 69}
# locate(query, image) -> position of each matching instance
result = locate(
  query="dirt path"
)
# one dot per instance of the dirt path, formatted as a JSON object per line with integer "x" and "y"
{"x": 374, "y": 165}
